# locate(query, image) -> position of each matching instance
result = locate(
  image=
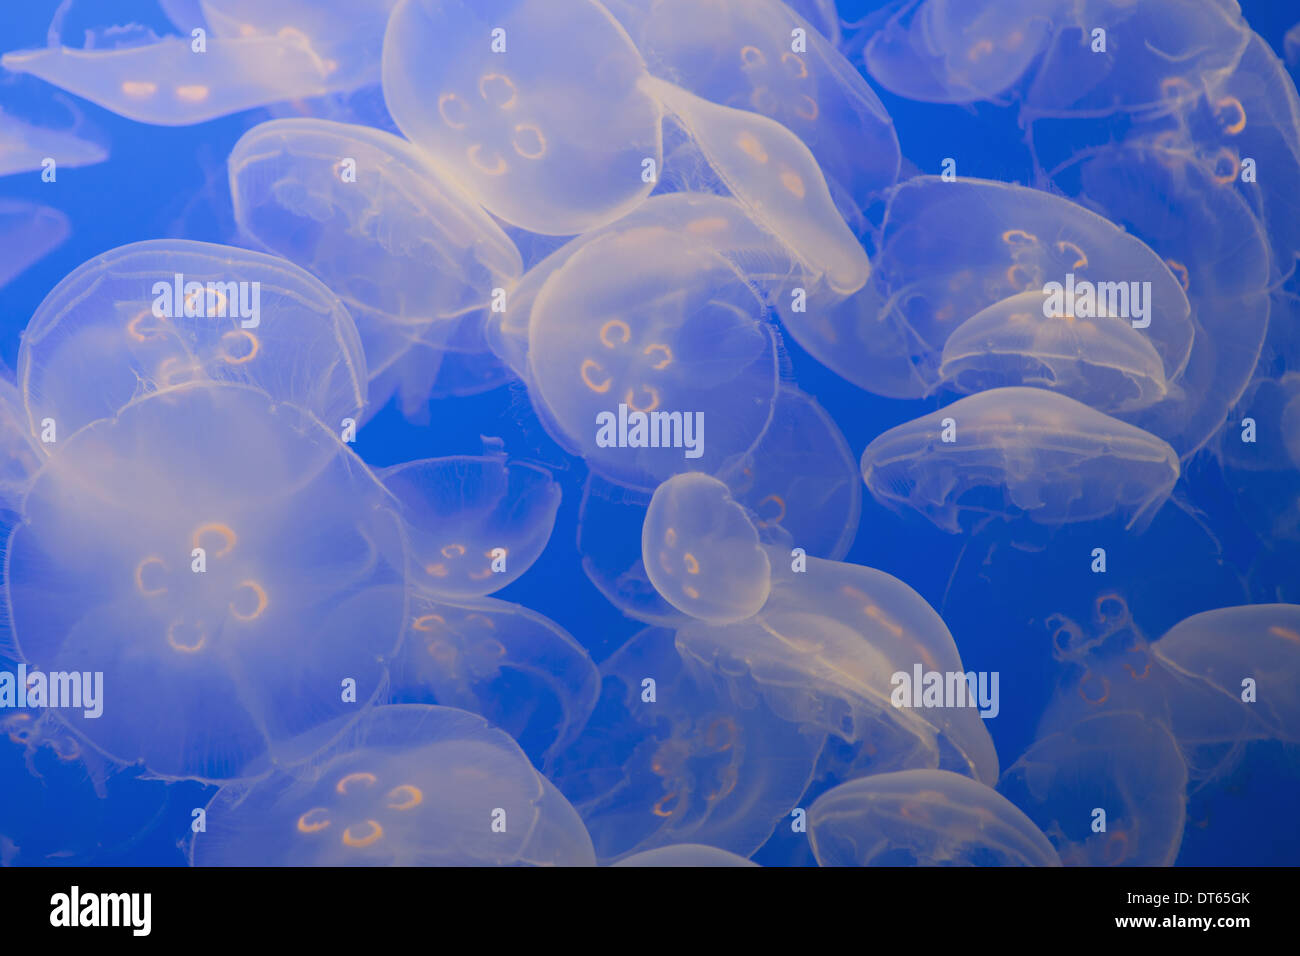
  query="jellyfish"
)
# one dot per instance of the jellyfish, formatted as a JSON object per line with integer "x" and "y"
{"x": 29, "y": 233}
{"x": 25, "y": 147}
{"x": 640, "y": 341}
{"x": 702, "y": 551}
{"x": 408, "y": 785}
{"x": 1020, "y": 453}
{"x": 153, "y": 315}
{"x": 1109, "y": 791}
{"x": 952, "y": 249}
{"x": 20, "y": 454}
{"x": 1259, "y": 450}
{"x": 1291, "y": 44}
{"x": 313, "y": 191}
{"x": 533, "y": 106}
{"x": 517, "y": 668}
{"x": 1101, "y": 361}
{"x": 474, "y": 523}
{"x": 926, "y": 818}
{"x": 685, "y": 854}
{"x": 222, "y": 561}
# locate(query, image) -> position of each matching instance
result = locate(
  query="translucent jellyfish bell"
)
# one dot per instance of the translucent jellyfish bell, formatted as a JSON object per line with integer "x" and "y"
{"x": 221, "y": 559}
{"x": 702, "y": 552}
{"x": 649, "y": 355}
{"x": 24, "y": 147}
{"x": 532, "y": 104}
{"x": 685, "y": 854}
{"x": 153, "y": 315}
{"x": 1117, "y": 770}
{"x": 1020, "y": 452}
{"x": 1101, "y": 361}
{"x": 1261, "y": 474}
{"x": 925, "y": 818}
{"x": 474, "y": 523}
{"x": 952, "y": 249}
{"x": 514, "y": 666}
{"x": 408, "y": 786}
{"x": 28, "y": 233}
{"x": 20, "y": 454}
{"x": 313, "y": 190}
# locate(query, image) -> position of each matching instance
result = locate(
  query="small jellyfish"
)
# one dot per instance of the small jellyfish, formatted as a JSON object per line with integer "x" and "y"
{"x": 1259, "y": 450}
{"x": 313, "y": 191}
{"x": 1109, "y": 791}
{"x": 20, "y": 455}
{"x": 952, "y": 249}
{"x": 1020, "y": 452}
{"x": 923, "y": 818}
{"x": 222, "y": 561}
{"x": 685, "y": 854}
{"x": 474, "y": 523}
{"x": 649, "y": 354}
{"x": 702, "y": 551}
{"x": 1101, "y": 361}
{"x": 534, "y": 106}
{"x": 408, "y": 786}
{"x": 28, "y": 233}
{"x": 517, "y": 668}
{"x": 25, "y": 147}
{"x": 153, "y": 315}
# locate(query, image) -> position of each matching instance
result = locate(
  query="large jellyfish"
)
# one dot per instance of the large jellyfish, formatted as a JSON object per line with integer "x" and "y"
{"x": 407, "y": 786}
{"x": 408, "y": 252}
{"x": 923, "y": 817}
{"x": 1013, "y": 452}
{"x": 152, "y": 315}
{"x": 533, "y": 105}
{"x": 952, "y": 249}
{"x": 220, "y": 560}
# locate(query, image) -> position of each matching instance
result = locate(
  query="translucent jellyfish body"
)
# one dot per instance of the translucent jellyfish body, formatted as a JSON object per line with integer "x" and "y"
{"x": 1259, "y": 449}
{"x": 25, "y": 147}
{"x": 317, "y": 192}
{"x": 650, "y": 355}
{"x": 1101, "y": 361}
{"x": 1109, "y": 791}
{"x": 517, "y": 668}
{"x": 153, "y": 315}
{"x": 1020, "y": 452}
{"x": 952, "y": 249}
{"x": 474, "y": 523}
{"x": 825, "y": 654}
{"x": 29, "y": 233}
{"x": 233, "y": 590}
{"x": 19, "y": 450}
{"x": 702, "y": 551}
{"x": 685, "y": 854}
{"x": 533, "y": 105}
{"x": 407, "y": 786}
{"x": 926, "y": 818}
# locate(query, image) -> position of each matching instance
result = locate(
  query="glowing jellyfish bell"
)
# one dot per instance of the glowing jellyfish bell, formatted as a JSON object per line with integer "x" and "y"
{"x": 1020, "y": 452}
{"x": 311, "y": 190}
{"x": 30, "y": 233}
{"x": 407, "y": 786}
{"x": 19, "y": 449}
{"x": 649, "y": 354}
{"x": 154, "y": 315}
{"x": 702, "y": 551}
{"x": 533, "y": 105}
{"x": 923, "y": 818}
{"x": 25, "y": 147}
{"x": 223, "y": 561}
{"x": 685, "y": 854}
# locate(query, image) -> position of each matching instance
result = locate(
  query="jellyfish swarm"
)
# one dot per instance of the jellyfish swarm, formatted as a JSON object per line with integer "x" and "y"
{"x": 702, "y": 551}
{"x": 1020, "y": 452}
{"x": 925, "y": 818}
{"x": 230, "y": 589}
{"x": 153, "y": 315}
{"x": 410, "y": 254}
{"x": 407, "y": 786}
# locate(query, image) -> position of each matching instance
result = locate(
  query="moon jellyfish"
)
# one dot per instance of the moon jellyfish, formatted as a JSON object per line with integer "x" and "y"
{"x": 702, "y": 552}
{"x": 952, "y": 249}
{"x": 533, "y": 105}
{"x": 24, "y": 147}
{"x": 770, "y": 171}
{"x": 1020, "y": 452}
{"x": 1109, "y": 791}
{"x": 640, "y": 341}
{"x": 20, "y": 454}
{"x": 1259, "y": 451}
{"x": 825, "y": 653}
{"x": 474, "y": 523}
{"x": 520, "y": 670}
{"x": 153, "y": 315}
{"x": 925, "y": 818}
{"x": 28, "y": 233}
{"x": 315, "y": 192}
{"x": 226, "y": 588}
{"x": 407, "y": 786}
{"x": 685, "y": 854}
